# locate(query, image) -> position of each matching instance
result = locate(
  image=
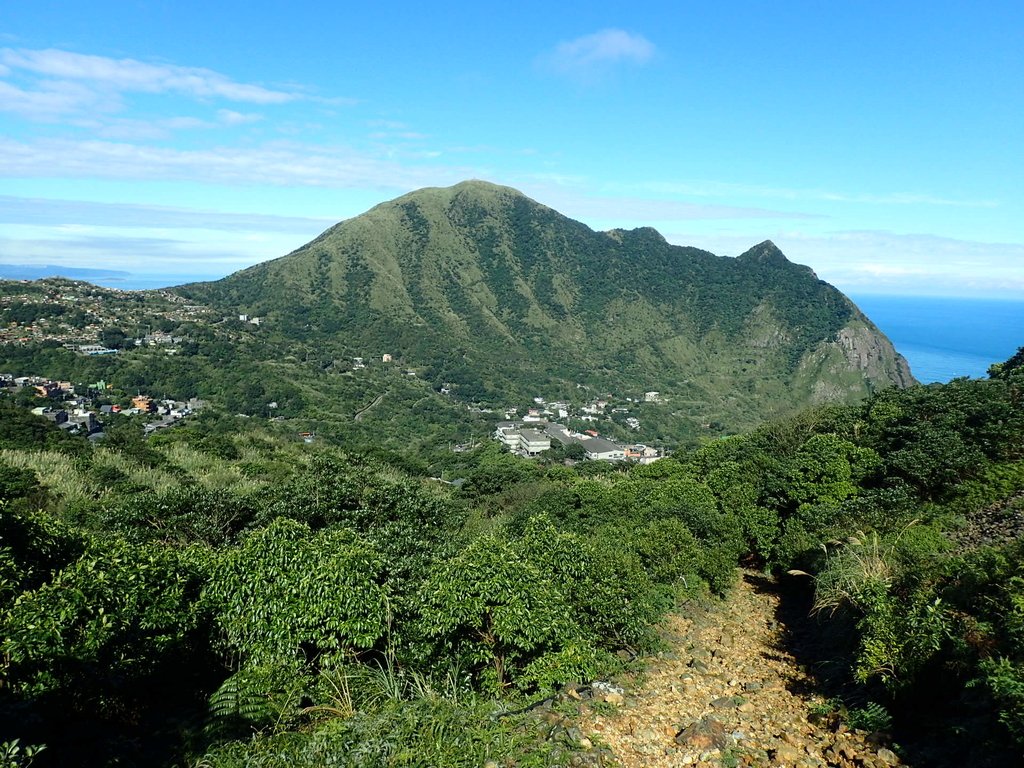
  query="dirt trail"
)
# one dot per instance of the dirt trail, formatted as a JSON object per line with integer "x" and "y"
{"x": 362, "y": 411}
{"x": 728, "y": 693}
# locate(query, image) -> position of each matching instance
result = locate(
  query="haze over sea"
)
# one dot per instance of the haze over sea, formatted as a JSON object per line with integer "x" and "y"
{"x": 944, "y": 338}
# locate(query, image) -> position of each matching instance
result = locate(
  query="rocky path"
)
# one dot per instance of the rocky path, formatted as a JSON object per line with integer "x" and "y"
{"x": 728, "y": 693}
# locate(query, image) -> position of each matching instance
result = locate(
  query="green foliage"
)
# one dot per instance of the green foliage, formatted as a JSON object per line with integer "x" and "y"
{"x": 424, "y": 731}
{"x": 605, "y": 585}
{"x": 181, "y": 515}
{"x": 13, "y": 755}
{"x": 21, "y": 429}
{"x": 33, "y": 547}
{"x": 104, "y": 629}
{"x": 666, "y": 549}
{"x": 496, "y": 612}
{"x": 255, "y": 698}
{"x": 827, "y": 469}
{"x": 287, "y": 593}
{"x": 897, "y": 640}
{"x": 872, "y": 717}
{"x": 1005, "y": 679}
{"x": 17, "y": 483}
{"x": 497, "y": 471}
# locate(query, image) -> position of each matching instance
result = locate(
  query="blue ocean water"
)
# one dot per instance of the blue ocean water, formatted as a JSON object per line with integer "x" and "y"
{"x": 945, "y": 338}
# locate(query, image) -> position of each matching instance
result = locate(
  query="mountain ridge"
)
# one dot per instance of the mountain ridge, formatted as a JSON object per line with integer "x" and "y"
{"x": 480, "y": 286}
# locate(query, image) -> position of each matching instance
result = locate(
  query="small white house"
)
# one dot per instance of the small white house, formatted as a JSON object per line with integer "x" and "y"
{"x": 599, "y": 449}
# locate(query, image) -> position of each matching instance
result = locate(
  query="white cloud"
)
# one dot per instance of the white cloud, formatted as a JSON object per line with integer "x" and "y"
{"x": 885, "y": 262}
{"x": 52, "y": 99}
{"x": 277, "y": 164}
{"x": 230, "y": 117}
{"x": 74, "y": 215}
{"x": 139, "y": 254}
{"x": 128, "y": 129}
{"x": 620, "y": 212}
{"x": 590, "y": 56}
{"x": 732, "y": 190}
{"x": 129, "y": 75}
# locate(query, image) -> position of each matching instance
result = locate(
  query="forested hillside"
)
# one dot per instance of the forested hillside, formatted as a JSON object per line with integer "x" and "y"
{"x": 481, "y": 288}
{"x": 226, "y": 595}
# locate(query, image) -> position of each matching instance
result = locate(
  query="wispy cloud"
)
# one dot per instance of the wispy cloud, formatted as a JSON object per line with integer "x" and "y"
{"x": 589, "y": 57}
{"x": 145, "y": 254}
{"x": 52, "y": 100}
{"x": 64, "y": 213}
{"x": 277, "y": 163}
{"x": 631, "y": 211}
{"x": 134, "y": 129}
{"x": 130, "y": 75}
{"x": 699, "y": 188}
{"x": 94, "y": 92}
{"x": 230, "y": 117}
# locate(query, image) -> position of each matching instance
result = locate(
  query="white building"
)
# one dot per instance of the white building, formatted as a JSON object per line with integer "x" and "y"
{"x": 642, "y": 454}
{"x": 599, "y": 449}
{"x": 507, "y": 433}
{"x": 533, "y": 442}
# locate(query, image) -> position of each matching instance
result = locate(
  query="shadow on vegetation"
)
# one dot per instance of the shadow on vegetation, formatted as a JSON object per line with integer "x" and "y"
{"x": 936, "y": 724}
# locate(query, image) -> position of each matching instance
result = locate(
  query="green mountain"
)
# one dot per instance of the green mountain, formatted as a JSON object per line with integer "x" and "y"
{"x": 481, "y": 287}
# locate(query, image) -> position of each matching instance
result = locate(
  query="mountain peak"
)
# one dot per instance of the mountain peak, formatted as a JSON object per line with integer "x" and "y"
{"x": 765, "y": 253}
{"x": 475, "y": 189}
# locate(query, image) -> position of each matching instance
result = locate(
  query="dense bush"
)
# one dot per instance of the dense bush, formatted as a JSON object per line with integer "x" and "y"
{"x": 286, "y": 593}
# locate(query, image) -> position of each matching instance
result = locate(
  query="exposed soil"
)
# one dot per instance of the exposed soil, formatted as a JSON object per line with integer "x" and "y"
{"x": 729, "y": 692}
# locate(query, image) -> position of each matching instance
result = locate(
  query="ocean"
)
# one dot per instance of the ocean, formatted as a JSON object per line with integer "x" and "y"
{"x": 946, "y": 338}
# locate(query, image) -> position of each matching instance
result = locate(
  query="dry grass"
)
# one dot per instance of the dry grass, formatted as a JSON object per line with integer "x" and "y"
{"x": 861, "y": 566}
{"x": 55, "y": 470}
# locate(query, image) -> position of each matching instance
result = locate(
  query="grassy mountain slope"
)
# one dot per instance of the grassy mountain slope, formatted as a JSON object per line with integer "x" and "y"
{"x": 480, "y": 286}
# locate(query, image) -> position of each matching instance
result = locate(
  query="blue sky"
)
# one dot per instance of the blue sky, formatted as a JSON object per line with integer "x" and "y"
{"x": 880, "y": 143}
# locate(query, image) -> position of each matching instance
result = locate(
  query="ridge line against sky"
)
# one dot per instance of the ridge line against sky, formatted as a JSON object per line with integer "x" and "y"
{"x": 880, "y": 144}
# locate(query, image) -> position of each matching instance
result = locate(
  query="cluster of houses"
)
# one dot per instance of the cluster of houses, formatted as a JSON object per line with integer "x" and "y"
{"x": 77, "y": 414}
{"x": 104, "y": 308}
{"x": 533, "y": 438}
{"x": 359, "y": 363}
{"x": 537, "y": 430}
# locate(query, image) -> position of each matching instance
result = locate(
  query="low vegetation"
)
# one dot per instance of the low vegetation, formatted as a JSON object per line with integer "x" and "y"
{"x": 225, "y": 594}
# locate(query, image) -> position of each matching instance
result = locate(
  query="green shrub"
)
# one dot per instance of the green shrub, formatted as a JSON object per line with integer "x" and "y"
{"x": 870, "y": 717}
{"x": 287, "y": 593}
{"x": 1005, "y": 680}
{"x": 255, "y": 698}
{"x": 496, "y": 613}
{"x": 33, "y": 547}
{"x": 103, "y": 626}
{"x": 420, "y": 732}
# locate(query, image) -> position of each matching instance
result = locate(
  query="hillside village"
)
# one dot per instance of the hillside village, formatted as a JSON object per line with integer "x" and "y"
{"x": 94, "y": 321}
{"x": 86, "y": 410}
{"x": 539, "y": 430}
{"x": 90, "y": 319}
